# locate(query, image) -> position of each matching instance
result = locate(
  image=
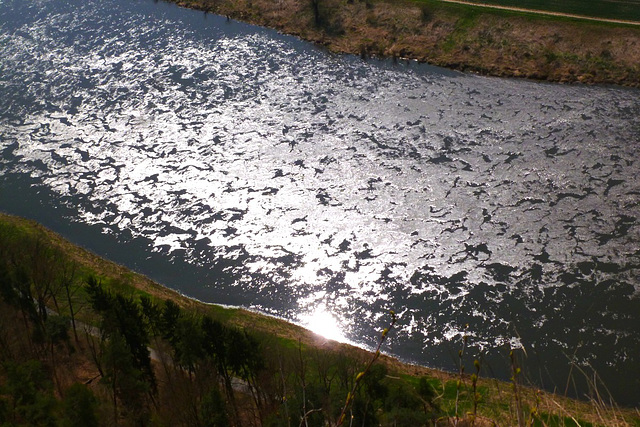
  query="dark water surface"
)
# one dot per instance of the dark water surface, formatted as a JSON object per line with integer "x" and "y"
{"x": 244, "y": 167}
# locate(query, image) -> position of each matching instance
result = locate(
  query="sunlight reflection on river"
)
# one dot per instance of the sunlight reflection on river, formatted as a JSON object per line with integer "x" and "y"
{"x": 323, "y": 323}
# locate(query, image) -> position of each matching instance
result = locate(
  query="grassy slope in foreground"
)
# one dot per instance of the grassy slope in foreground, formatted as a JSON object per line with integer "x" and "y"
{"x": 496, "y": 400}
{"x": 487, "y": 41}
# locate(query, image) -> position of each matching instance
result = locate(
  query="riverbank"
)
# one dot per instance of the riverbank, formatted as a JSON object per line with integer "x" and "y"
{"x": 459, "y": 36}
{"x": 60, "y": 273}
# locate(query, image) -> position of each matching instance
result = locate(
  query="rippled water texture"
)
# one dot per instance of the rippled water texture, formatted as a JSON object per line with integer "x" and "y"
{"x": 311, "y": 186}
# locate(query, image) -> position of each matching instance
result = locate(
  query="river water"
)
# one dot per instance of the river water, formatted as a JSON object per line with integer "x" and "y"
{"x": 244, "y": 167}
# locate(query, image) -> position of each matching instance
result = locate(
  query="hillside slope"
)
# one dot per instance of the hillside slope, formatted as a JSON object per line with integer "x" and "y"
{"x": 83, "y": 330}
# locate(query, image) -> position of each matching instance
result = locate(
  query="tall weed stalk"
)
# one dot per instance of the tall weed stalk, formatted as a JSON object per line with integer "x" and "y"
{"x": 360, "y": 375}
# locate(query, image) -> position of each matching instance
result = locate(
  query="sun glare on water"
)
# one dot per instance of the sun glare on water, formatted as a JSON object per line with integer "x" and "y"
{"x": 323, "y": 323}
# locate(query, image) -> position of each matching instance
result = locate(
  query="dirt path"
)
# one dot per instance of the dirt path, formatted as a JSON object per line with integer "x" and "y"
{"x": 543, "y": 12}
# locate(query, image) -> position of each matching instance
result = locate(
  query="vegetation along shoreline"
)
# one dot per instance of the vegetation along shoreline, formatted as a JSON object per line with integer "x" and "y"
{"x": 457, "y": 35}
{"x": 102, "y": 345}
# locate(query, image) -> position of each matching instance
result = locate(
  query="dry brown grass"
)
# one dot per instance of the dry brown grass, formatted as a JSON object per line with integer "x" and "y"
{"x": 492, "y": 43}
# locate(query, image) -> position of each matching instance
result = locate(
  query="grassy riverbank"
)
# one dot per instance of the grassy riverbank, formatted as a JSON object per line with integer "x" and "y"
{"x": 251, "y": 370}
{"x": 462, "y": 37}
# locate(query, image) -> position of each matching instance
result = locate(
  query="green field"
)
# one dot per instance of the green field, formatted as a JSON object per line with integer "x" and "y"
{"x": 610, "y": 9}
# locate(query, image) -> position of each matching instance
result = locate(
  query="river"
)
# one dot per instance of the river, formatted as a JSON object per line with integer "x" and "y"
{"x": 243, "y": 167}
